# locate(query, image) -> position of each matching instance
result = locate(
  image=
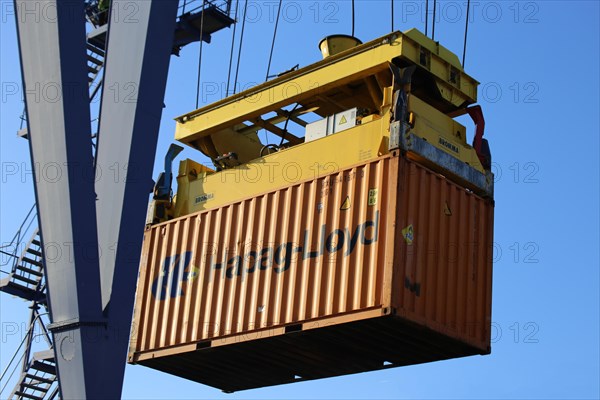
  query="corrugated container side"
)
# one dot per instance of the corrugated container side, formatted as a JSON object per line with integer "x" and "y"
{"x": 311, "y": 250}
{"x": 443, "y": 265}
{"x": 384, "y": 264}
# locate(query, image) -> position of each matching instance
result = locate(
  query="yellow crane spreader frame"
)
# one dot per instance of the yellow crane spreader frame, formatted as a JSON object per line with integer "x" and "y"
{"x": 360, "y": 76}
{"x": 361, "y": 62}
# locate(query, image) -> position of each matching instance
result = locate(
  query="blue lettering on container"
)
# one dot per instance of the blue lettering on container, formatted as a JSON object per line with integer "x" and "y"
{"x": 173, "y": 273}
{"x": 176, "y": 269}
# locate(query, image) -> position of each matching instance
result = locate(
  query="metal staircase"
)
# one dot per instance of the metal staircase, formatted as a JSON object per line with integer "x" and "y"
{"x": 37, "y": 380}
{"x": 25, "y": 279}
{"x": 95, "y": 61}
{"x": 37, "y": 371}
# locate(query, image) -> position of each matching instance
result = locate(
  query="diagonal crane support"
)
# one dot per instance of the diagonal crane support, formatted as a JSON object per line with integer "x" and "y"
{"x": 137, "y": 62}
{"x": 53, "y": 61}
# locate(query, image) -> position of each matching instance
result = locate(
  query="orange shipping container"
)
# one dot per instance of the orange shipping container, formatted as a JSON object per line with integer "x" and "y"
{"x": 384, "y": 264}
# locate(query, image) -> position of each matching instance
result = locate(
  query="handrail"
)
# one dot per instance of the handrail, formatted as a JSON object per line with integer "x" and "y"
{"x": 223, "y": 5}
{"x": 12, "y": 373}
{"x": 25, "y": 338}
{"x": 18, "y": 237}
{"x": 54, "y": 394}
{"x": 45, "y": 330}
{"x": 20, "y": 258}
{"x": 15, "y": 238}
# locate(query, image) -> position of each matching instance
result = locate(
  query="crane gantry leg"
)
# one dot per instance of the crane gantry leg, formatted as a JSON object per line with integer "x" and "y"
{"x": 90, "y": 291}
{"x": 53, "y": 61}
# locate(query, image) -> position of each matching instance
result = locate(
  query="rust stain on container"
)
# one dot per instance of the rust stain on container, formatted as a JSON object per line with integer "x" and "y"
{"x": 383, "y": 264}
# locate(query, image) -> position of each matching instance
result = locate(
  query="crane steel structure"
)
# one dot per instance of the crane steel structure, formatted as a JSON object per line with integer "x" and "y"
{"x": 87, "y": 295}
{"x": 390, "y": 103}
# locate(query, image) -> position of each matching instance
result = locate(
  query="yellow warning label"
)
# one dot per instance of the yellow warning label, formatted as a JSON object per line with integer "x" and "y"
{"x": 343, "y": 120}
{"x": 409, "y": 234}
{"x": 194, "y": 273}
{"x": 372, "y": 197}
{"x": 346, "y": 204}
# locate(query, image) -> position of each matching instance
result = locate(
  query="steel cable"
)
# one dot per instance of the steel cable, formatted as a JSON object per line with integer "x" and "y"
{"x": 466, "y": 31}
{"x": 237, "y": 68}
{"x": 200, "y": 52}
{"x": 237, "y": 3}
{"x": 273, "y": 42}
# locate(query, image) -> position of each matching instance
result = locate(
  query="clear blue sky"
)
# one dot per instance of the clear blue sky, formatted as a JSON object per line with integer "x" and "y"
{"x": 538, "y": 65}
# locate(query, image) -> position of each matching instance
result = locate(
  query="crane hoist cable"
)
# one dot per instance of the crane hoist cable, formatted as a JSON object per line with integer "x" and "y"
{"x": 466, "y": 31}
{"x": 273, "y": 42}
{"x": 237, "y": 68}
{"x": 352, "y": 17}
{"x": 392, "y": 12}
{"x": 426, "y": 15}
{"x": 237, "y": 3}
{"x": 433, "y": 21}
{"x": 200, "y": 52}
